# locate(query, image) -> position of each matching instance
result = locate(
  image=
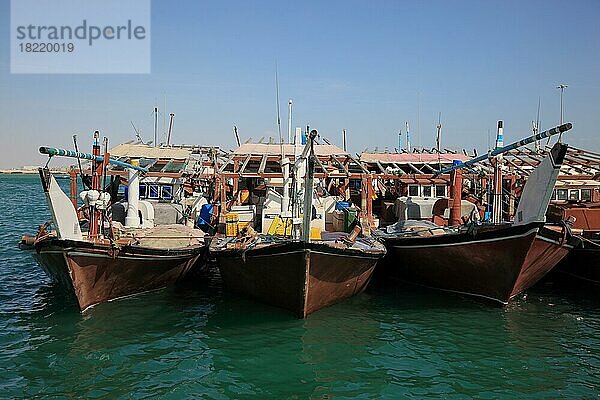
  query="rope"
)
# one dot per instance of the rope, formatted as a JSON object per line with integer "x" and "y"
{"x": 588, "y": 240}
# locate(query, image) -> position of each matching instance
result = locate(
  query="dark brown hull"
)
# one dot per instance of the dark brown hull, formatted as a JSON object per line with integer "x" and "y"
{"x": 96, "y": 276}
{"x": 546, "y": 252}
{"x": 583, "y": 263}
{"x": 495, "y": 264}
{"x": 302, "y": 278}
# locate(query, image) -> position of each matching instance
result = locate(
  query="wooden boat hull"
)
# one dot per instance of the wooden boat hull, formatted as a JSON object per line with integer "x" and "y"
{"x": 302, "y": 278}
{"x": 95, "y": 274}
{"x": 496, "y": 264}
{"x": 546, "y": 252}
{"x": 583, "y": 263}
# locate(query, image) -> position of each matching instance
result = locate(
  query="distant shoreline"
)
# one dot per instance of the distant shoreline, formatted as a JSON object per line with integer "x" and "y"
{"x": 27, "y": 172}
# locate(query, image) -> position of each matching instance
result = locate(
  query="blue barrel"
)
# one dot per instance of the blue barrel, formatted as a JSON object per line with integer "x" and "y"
{"x": 205, "y": 216}
{"x": 340, "y": 205}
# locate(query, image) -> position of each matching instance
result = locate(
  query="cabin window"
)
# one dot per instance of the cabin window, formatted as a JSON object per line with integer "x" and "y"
{"x": 440, "y": 190}
{"x": 143, "y": 192}
{"x": 574, "y": 194}
{"x": 561, "y": 194}
{"x": 154, "y": 192}
{"x": 413, "y": 190}
{"x": 426, "y": 191}
{"x": 586, "y": 194}
{"x": 553, "y": 197}
{"x": 167, "y": 192}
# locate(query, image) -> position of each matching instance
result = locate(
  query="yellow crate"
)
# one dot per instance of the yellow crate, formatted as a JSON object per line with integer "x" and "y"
{"x": 231, "y": 229}
{"x": 232, "y": 217}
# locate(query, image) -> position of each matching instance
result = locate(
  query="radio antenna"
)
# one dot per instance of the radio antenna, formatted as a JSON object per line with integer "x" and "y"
{"x": 278, "y": 111}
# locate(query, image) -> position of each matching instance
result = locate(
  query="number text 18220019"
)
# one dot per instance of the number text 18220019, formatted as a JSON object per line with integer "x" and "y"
{"x": 46, "y": 47}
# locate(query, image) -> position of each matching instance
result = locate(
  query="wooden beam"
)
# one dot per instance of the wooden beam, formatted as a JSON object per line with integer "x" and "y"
{"x": 246, "y": 161}
{"x": 263, "y": 164}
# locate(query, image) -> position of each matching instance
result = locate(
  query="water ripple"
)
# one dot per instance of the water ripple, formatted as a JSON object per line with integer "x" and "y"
{"x": 202, "y": 341}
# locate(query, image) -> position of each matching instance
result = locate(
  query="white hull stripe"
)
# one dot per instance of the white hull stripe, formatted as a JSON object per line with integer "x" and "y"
{"x": 534, "y": 230}
{"x": 140, "y": 257}
{"x": 367, "y": 255}
{"x": 545, "y": 239}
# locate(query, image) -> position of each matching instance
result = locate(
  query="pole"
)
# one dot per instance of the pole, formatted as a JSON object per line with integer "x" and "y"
{"x": 51, "y": 151}
{"x": 83, "y": 184}
{"x": 73, "y": 186}
{"x": 497, "y": 201}
{"x": 344, "y": 139}
{"x": 308, "y": 189}
{"x": 290, "y": 121}
{"x": 96, "y": 170}
{"x": 155, "y": 125}
{"x": 439, "y": 133}
{"x": 408, "y": 149}
{"x": 523, "y": 142}
{"x": 400, "y": 141}
{"x": 171, "y": 115}
{"x": 237, "y": 136}
{"x": 132, "y": 220}
{"x": 439, "y": 140}
{"x": 456, "y": 193}
{"x": 562, "y": 88}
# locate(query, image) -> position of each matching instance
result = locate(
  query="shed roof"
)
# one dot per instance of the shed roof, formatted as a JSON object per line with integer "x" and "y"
{"x": 400, "y": 158}
{"x": 138, "y": 150}
{"x": 288, "y": 149}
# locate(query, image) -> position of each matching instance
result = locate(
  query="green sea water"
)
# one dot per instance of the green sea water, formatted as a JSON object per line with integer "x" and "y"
{"x": 201, "y": 341}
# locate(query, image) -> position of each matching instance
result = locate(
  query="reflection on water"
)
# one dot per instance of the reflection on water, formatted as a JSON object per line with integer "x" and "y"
{"x": 202, "y": 341}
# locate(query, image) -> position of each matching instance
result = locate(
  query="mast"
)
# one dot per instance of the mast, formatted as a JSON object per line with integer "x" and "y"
{"x": 344, "y": 139}
{"x": 308, "y": 188}
{"x": 497, "y": 199}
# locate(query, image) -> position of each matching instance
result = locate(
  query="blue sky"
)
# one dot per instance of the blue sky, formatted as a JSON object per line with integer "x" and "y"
{"x": 363, "y": 66}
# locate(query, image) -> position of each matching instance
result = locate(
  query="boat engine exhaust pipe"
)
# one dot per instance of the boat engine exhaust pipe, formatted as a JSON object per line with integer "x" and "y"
{"x": 132, "y": 220}
{"x": 456, "y": 187}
